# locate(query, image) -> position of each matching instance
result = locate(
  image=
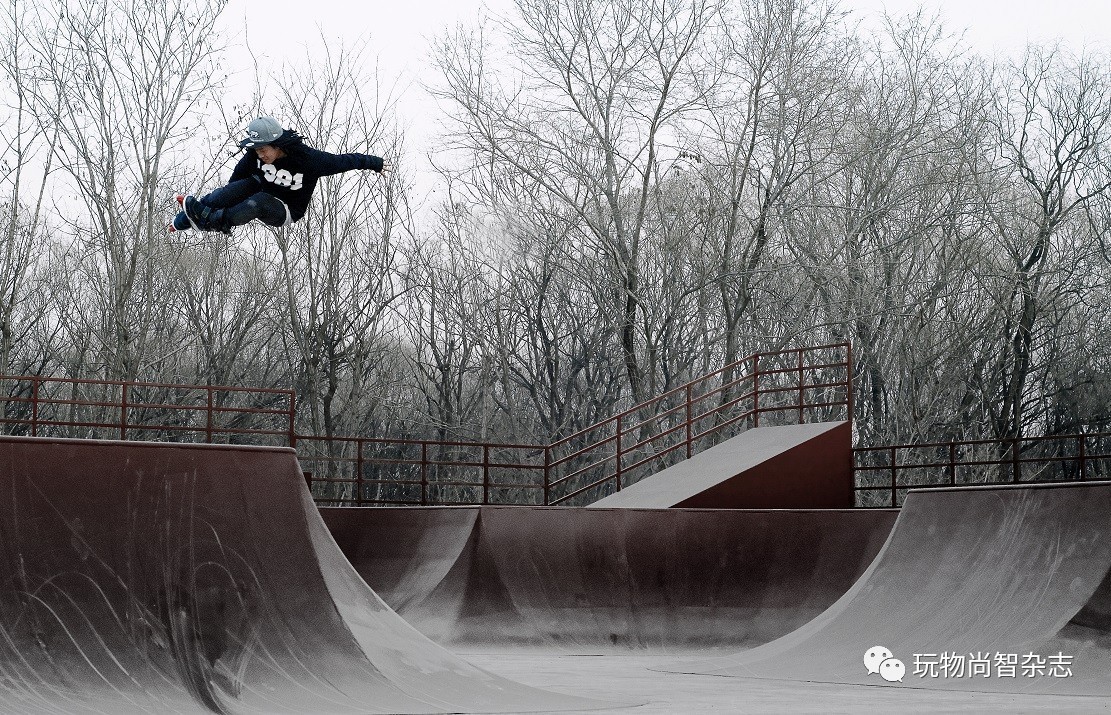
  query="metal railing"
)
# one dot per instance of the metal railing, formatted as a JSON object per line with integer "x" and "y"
{"x": 784, "y": 387}
{"x": 884, "y": 474}
{"x": 116, "y": 409}
{"x": 375, "y": 471}
{"x": 788, "y": 386}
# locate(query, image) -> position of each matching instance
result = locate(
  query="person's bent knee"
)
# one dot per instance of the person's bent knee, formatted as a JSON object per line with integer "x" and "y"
{"x": 271, "y": 210}
{"x": 262, "y": 206}
{"x": 232, "y": 193}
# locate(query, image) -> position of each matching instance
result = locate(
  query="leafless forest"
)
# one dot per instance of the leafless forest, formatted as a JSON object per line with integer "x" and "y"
{"x": 633, "y": 194}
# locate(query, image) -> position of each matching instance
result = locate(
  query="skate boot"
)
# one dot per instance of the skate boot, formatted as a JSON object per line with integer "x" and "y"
{"x": 206, "y": 217}
{"x": 219, "y": 222}
{"x": 189, "y": 206}
{"x": 180, "y": 223}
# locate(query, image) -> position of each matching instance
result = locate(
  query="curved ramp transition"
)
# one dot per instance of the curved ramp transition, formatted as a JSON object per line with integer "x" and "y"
{"x": 1005, "y": 571}
{"x": 142, "y": 577}
{"x": 599, "y": 580}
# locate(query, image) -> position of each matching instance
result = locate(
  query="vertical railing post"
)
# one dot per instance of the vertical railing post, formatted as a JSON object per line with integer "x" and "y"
{"x": 617, "y": 438}
{"x": 1015, "y": 467}
{"x": 953, "y": 464}
{"x": 208, "y": 420}
{"x": 1083, "y": 456}
{"x": 547, "y": 474}
{"x": 849, "y": 407}
{"x": 800, "y": 388}
{"x": 123, "y": 412}
{"x": 424, "y": 473}
{"x": 292, "y": 414}
{"x": 35, "y": 406}
{"x": 359, "y": 471}
{"x": 853, "y": 470}
{"x": 756, "y": 389}
{"x": 690, "y": 426}
{"x": 894, "y": 479}
{"x": 485, "y": 474}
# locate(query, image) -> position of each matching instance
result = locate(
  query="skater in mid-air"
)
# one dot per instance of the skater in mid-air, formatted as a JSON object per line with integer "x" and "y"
{"x": 273, "y": 182}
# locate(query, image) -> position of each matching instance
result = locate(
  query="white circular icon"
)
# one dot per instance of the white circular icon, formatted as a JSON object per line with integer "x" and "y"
{"x": 892, "y": 670}
{"x": 874, "y": 657}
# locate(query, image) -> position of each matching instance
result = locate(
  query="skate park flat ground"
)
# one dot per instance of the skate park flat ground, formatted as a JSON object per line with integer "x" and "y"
{"x": 635, "y": 677}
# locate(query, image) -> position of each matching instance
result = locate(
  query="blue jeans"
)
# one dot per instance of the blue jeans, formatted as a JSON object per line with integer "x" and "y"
{"x": 243, "y": 202}
{"x": 238, "y": 203}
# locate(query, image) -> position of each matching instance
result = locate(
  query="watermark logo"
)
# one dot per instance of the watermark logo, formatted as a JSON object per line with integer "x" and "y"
{"x": 892, "y": 670}
{"x": 985, "y": 665}
{"x": 879, "y": 661}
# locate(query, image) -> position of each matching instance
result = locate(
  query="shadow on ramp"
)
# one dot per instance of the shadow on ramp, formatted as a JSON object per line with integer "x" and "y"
{"x": 1019, "y": 572}
{"x": 142, "y": 577}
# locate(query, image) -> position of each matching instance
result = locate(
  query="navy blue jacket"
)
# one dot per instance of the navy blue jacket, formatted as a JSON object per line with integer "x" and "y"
{"x": 293, "y": 177}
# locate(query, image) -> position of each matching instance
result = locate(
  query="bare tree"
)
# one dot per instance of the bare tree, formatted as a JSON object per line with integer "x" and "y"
{"x": 767, "y": 124}
{"x": 25, "y": 145}
{"x": 446, "y": 307}
{"x": 338, "y": 264}
{"x": 227, "y": 296}
{"x": 116, "y": 81}
{"x": 596, "y": 93}
{"x": 883, "y": 239}
{"x": 550, "y": 320}
{"x": 1053, "y": 122}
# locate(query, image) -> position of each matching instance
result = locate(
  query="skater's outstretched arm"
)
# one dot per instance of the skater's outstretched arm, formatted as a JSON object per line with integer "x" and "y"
{"x": 325, "y": 163}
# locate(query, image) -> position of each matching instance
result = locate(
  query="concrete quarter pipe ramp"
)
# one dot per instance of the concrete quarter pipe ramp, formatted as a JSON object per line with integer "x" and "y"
{"x": 139, "y": 577}
{"x": 605, "y": 580}
{"x": 1013, "y": 576}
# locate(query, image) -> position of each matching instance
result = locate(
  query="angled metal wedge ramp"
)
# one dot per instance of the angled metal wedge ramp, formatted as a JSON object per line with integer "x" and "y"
{"x": 804, "y": 466}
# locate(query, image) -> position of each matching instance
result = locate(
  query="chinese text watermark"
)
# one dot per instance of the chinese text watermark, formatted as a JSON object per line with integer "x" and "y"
{"x": 880, "y": 661}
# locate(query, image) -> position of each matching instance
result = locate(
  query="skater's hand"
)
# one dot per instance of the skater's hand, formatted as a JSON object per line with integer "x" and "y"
{"x": 386, "y": 167}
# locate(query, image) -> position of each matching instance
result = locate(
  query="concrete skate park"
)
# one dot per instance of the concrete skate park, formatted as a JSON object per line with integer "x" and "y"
{"x": 733, "y": 558}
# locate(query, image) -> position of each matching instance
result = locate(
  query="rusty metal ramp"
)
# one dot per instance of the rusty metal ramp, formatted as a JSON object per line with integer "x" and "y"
{"x": 604, "y": 581}
{"x": 1004, "y": 589}
{"x": 157, "y": 578}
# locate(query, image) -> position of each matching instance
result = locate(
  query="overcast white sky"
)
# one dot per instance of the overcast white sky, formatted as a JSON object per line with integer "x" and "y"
{"x": 400, "y": 30}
